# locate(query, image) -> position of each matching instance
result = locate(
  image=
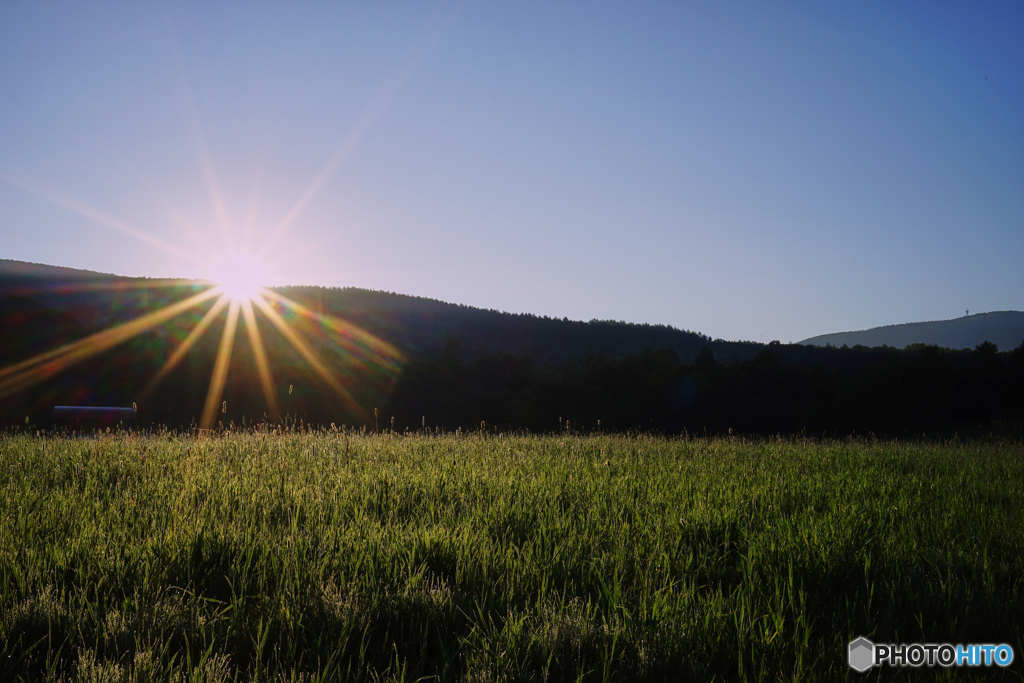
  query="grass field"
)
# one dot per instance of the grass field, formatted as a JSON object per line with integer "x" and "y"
{"x": 323, "y": 555}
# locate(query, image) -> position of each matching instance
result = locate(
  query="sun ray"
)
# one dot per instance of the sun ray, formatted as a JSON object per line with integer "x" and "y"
{"x": 98, "y": 337}
{"x": 220, "y": 368}
{"x": 100, "y": 218}
{"x": 308, "y": 354}
{"x": 262, "y": 366}
{"x": 200, "y": 147}
{"x": 352, "y": 338}
{"x": 45, "y": 365}
{"x": 378, "y": 105}
{"x": 186, "y": 344}
{"x": 213, "y": 189}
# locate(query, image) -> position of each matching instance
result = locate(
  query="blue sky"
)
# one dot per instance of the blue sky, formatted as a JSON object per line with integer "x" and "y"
{"x": 746, "y": 171}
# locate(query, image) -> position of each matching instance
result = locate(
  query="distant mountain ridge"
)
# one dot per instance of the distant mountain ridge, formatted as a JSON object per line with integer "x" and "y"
{"x": 1005, "y": 329}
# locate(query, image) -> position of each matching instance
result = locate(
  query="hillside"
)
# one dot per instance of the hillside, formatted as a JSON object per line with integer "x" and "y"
{"x": 1005, "y": 329}
{"x": 14, "y": 271}
{"x": 413, "y": 324}
{"x": 383, "y": 358}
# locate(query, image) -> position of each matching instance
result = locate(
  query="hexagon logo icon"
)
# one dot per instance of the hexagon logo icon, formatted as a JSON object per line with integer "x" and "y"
{"x": 861, "y": 654}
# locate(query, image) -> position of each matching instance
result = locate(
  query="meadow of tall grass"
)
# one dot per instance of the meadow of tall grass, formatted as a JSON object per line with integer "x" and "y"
{"x": 323, "y": 555}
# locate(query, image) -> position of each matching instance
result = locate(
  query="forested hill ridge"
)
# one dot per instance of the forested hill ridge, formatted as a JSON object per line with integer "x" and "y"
{"x": 429, "y": 363}
{"x": 413, "y": 324}
{"x": 1005, "y": 329}
{"x": 419, "y": 324}
{"x": 12, "y": 272}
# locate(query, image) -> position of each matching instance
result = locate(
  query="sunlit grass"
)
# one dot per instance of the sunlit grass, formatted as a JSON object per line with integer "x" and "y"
{"x": 497, "y": 557}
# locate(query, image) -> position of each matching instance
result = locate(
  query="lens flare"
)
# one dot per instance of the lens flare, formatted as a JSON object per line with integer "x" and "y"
{"x": 245, "y": 300}
{"x": 20, "y": 376}
{"x": 220, "y": 368}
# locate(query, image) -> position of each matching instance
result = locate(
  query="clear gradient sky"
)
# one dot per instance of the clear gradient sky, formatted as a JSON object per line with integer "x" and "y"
{"x": 746, "y": 171}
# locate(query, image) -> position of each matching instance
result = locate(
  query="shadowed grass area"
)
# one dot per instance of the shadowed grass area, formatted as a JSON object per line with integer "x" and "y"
{"x": 324, "y": 555}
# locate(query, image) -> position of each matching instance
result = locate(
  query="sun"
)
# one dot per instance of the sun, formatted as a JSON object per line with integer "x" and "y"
{"x": 240, "y": 274}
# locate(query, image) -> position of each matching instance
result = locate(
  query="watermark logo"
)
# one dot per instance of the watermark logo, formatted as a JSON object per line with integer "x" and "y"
{"x": 862, "y": 654}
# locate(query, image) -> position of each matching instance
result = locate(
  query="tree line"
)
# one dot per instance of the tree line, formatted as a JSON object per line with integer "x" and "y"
{"x": 461, "y": 367}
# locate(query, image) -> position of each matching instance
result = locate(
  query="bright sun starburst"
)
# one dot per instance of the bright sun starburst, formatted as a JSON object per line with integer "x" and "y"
{"x": 239, "y": 291}
{"x": 240, "y": 274}
{"x": 239, "y": 280}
